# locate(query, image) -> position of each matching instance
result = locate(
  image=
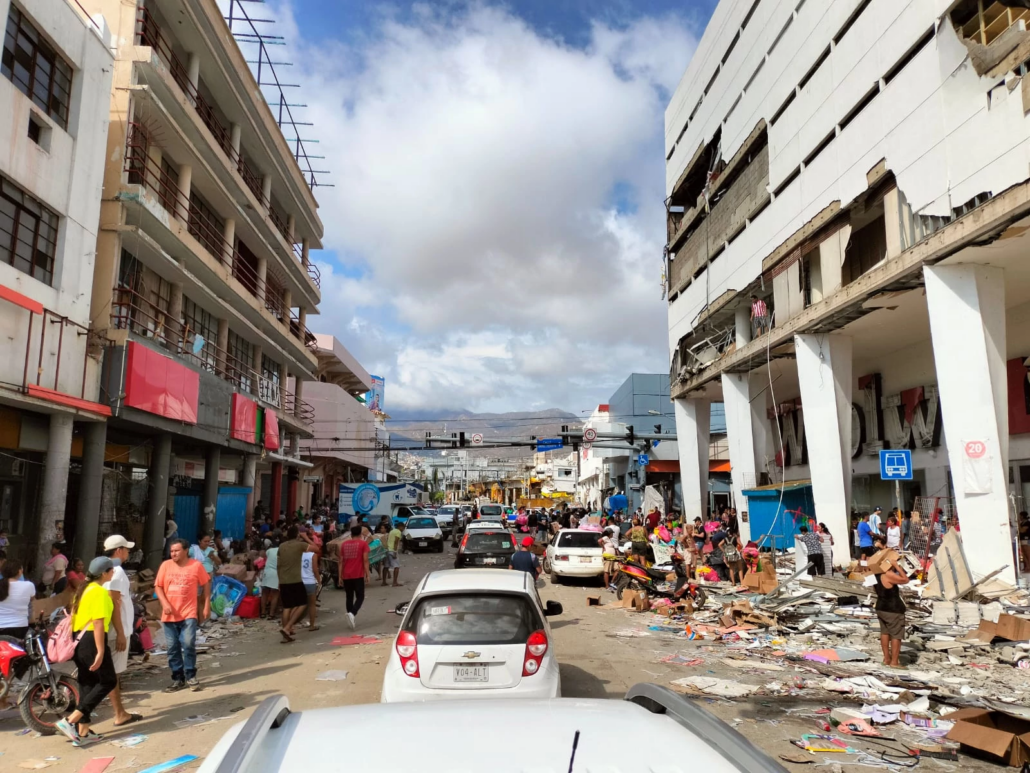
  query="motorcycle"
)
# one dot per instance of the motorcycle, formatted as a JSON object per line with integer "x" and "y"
{"x": 46, "y": 695}
{"x": 648, "y": 579}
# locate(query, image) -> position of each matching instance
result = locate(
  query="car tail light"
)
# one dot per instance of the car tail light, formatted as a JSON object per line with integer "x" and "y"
{"x": 536, "y": 648}
{"x": 561, "y": 558}
{"x": 407, "y": 650}
{"x": 464, "y": 540}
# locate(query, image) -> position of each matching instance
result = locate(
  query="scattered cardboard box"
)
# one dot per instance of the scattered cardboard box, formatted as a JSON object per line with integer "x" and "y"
{"x": 763, "y": 581}
{"x": 234, "y": 570}
{"x": 593, "y": 601}
{"x": 636, "y": 600}
{"x": 1012, "y": 628}
{"x": 43, "y": 608}
{"x": 995, "y": 733}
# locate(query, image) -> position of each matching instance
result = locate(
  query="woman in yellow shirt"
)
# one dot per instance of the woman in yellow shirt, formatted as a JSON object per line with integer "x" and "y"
{"x": 91, "y": 617}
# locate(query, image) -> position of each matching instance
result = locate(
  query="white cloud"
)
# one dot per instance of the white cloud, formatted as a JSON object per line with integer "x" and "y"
{"x": 474, "y": 162}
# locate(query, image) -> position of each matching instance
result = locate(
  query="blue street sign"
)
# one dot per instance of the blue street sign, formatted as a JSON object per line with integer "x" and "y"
{"x": 643, "y": 460}
{"x": 549, "y": 444}
{"x": 896, "y": 464}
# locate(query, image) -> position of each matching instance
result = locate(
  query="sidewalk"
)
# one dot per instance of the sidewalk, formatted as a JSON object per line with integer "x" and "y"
{"x": 238, "y": 672}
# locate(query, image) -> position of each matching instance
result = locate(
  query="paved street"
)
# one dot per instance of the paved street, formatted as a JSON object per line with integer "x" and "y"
{"x": 596, "y": 662}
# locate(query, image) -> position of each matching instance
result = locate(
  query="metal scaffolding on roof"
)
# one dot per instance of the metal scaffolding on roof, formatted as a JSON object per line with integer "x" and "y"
{"x": 245, "y": 32}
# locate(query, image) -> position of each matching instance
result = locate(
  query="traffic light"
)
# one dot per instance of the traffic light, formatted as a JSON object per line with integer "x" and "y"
{"x": 658, "y": 429}
{"x": 429, "y": 443}
{"x": 461, "y": 439}
{"x": 454, "y": 440}
{"x": 632, "y": 436}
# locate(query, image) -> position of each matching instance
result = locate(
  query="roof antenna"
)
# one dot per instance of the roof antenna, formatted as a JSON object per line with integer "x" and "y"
{"x": 575, "y": 743}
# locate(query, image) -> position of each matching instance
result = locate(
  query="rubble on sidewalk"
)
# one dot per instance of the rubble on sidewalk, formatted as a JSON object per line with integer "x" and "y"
{"x": 966, "y": 654}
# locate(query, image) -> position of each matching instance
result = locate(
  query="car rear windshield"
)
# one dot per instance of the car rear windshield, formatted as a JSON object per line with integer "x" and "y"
{"x": 483, "y": 541}
{"x": 491, "y": 510}
{"x": 574, "y": 539}
{"x": 473, "y": 619}
{"x": 421, "y": 523}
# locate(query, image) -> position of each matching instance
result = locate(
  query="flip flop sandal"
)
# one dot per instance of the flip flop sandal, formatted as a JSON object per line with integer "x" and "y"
{"x": 287, "y": 638}
{"x": 132, "y": 718}
{"x": 314, "y": 628}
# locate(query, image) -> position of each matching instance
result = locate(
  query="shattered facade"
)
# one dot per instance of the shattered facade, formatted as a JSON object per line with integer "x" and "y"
{"x": 859, "y": 169}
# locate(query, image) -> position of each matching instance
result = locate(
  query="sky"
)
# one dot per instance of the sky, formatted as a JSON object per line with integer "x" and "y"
{"x": 494, "y": 238}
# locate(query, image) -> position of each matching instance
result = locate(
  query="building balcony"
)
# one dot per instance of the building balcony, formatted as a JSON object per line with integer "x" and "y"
{"x": 171, "y": 95}
{"x": 145, "y": 320}
{"x": 156, "y": 204}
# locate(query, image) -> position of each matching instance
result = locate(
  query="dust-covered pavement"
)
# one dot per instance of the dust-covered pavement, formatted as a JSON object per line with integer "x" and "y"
{"x": 602, "y": 652}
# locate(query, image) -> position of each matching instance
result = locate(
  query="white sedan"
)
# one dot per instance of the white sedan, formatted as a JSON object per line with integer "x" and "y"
{"x": 574, "y": 553}
{"x": 474, "y": 633}
{"x": 422, "y": 533}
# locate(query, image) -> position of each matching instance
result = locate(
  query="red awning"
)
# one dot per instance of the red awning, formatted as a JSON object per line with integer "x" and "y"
{"x": 663, "y": 465}
{"x": 719, "y": 465}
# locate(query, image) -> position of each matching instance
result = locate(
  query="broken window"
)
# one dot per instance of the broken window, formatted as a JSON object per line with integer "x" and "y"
{"x": 986, "y": 20}
{"x": 867, "y": 247}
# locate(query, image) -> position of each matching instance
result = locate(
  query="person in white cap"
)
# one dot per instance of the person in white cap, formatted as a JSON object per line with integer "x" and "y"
{"x": 116, "y": 547}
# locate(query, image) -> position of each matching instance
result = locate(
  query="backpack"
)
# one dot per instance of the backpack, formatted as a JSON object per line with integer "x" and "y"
{"x": 60, "y": 647}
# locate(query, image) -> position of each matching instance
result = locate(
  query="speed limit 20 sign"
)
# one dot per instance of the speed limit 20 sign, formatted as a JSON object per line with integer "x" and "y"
{"x": 975, "y": 449}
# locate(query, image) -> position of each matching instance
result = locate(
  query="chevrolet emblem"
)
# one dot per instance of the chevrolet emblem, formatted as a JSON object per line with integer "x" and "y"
{"x": 470, "y": 655}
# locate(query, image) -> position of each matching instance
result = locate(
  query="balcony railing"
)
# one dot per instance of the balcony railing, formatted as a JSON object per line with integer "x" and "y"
{"x": 135, "y": 313}
{"x": 280, "y": 223}
{"x": 312, "y": 269}
{"x": 300, "y": 410}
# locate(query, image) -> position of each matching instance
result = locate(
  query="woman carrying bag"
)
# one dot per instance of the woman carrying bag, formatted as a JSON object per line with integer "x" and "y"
{"x": 91, "y": 617}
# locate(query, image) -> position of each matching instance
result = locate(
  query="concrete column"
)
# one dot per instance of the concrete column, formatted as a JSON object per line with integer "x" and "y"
{"x": 305, "y": 258}
{"x": 287, "y": 304}
{"x": 693, "y": 427}
{"x": 736, "y": 396}
{"x": 250, "y": 481}
{"x": 91, "y": 485}
{"x": 302, "y": 317}
{"x": 182, "y": 201}
{"x": 266, "y": 190}
{"x": 193, "y": 73}
{"x": 824, "y": 374}
{"x": 55, "y": 484}
{"x": 173, "y": 323}
{"x": 742, "y": 327}
{"x": 223, "y": 347}
{"x": 277, "y": 491}
{"x": 234, "y": 139}
{"x": 292, "y": 482}
{"x": 291, "y": 227}
{"x": 212, "y": 463}
{"x": 967, "y": 327}
{"x": 262, "y": 278}
{"x": 298, "y": 393}
{"x": 153, "y": 170}
{"x": 229, "y": 236}
{"x": 284, "y": 385}
{"x": 157, "y": 503}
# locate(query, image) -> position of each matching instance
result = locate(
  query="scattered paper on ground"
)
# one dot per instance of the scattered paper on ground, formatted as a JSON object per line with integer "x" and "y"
{"x": 130, "y": 741}
{"x": 331, "y": 676}
{"x": 721, "y": 687}
{"x": 345, "y": 641}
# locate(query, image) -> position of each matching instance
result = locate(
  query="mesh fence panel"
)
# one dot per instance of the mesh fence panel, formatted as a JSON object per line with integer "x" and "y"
{"x": 931, "y": 519}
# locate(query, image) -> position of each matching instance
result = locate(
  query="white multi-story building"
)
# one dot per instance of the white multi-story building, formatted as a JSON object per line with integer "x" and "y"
{"x": 858, "y": 169}
{"x": 55, "y": 79}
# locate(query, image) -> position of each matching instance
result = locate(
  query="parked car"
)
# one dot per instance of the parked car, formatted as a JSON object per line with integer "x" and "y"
{"x": 486, "y": 545}
{"x": 422, "y": 533}
{"x": 473, "y": 634}
{"x": 574, "y": 553}
{"x": 274, "y": 739}
{"x": 405, "y": 512}
{"x": 491, "y": 511}
{"x": 449, "y": 519}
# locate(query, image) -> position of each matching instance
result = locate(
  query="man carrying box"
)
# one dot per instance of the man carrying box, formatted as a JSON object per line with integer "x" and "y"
{"x": 890, "y": 609}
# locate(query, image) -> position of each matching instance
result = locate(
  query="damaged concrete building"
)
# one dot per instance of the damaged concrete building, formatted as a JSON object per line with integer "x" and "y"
{"x": 848, "y": 205}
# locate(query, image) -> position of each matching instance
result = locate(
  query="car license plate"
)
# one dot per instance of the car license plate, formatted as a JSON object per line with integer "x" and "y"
{"x": 489, "y": 560}
{"x": 474, "y": 673}
{"x": 423, "y": 544}
{"x": 585, "y": 559}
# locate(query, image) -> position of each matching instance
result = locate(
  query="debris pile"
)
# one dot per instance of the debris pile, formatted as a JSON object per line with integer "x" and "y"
{"x": 962, "y": 687}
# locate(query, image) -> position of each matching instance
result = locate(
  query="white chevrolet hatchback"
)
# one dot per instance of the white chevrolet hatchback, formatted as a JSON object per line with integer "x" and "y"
{"x": 474, "y": 633}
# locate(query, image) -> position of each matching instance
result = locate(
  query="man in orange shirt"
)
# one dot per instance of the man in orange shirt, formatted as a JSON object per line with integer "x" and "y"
{"x": 178, "y": 585}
